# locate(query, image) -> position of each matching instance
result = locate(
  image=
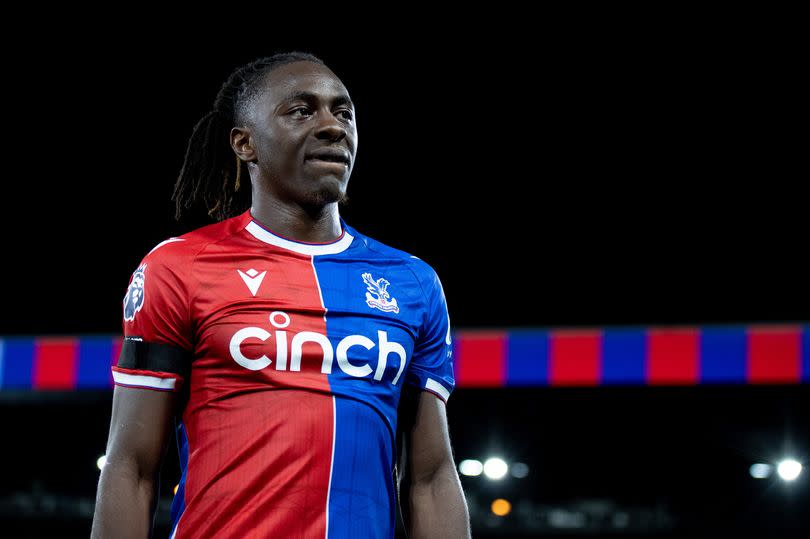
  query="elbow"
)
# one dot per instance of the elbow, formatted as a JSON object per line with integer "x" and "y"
{"x": 131, "y": 470}
{"x": 437, "y": 506}
{"x": 439, "y": 474}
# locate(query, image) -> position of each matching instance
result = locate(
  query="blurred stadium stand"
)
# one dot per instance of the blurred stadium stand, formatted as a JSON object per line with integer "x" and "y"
{"x": 615, "y": 431}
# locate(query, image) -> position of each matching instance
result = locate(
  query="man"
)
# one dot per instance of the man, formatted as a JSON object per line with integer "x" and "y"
{"x": 282, "y": 340}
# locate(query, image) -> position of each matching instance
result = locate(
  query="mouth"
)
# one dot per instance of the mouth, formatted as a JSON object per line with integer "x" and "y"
{"x": 336, "y": 166}
{"x": 334, "y": 157}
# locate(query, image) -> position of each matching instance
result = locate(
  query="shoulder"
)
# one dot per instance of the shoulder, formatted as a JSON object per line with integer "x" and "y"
{"x": 423, "y": 271}
{"x": 183, "y": 249}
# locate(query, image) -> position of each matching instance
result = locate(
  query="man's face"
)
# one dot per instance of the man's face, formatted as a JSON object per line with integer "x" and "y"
{"x": 303, "y": 132}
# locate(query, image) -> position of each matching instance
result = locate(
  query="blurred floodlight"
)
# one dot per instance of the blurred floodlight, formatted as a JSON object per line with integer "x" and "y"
{"x": 501, "y": 507}
{"x": 470, "y": 467}
{"x": 788, "y": 469}
{"x": 760, "y": 470}
{"x": 519, "y": 470}
{"x": 102, "y": 460}
{"x": 495, "y": 468}
{"x": 175, "y": 488}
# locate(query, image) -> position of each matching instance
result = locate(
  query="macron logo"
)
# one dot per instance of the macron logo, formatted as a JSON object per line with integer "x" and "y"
{"x": 253, "y": 279}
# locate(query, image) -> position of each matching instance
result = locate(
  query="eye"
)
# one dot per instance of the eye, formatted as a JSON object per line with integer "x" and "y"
{"x": 345, "y": 114}
{"x": 301, "y": 112}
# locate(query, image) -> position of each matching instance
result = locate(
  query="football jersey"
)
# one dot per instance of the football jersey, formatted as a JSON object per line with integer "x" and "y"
{"x": 289, "y": 358}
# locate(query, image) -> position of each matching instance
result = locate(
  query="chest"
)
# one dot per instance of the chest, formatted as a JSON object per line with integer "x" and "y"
{"x": 284, "y": 319}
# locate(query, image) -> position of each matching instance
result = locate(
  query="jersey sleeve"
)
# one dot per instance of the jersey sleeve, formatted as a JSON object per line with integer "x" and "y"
{"x": 431, "y": 367}
{"x": 157, "y": 349}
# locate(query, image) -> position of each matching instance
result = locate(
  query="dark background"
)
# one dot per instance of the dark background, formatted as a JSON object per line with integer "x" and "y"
{"x": 600, "y": 174}
{"x": 580, "y": 172}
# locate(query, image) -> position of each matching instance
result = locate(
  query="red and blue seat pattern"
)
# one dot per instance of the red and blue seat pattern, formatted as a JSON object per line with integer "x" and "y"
{"x": 754, "y": 354}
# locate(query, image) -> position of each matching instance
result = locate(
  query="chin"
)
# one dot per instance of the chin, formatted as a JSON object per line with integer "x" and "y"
{"x": 329, "y": 190}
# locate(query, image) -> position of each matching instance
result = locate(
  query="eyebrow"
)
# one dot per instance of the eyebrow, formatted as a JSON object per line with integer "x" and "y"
{"x": 340, "y": 99}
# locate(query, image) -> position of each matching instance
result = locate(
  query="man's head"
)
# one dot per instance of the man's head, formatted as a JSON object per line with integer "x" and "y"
{"x": 296, "y": 130}
{"x": 290, "y": 119}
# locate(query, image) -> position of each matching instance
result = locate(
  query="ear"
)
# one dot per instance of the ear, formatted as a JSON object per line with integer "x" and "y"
{"x": 242, "y": 144}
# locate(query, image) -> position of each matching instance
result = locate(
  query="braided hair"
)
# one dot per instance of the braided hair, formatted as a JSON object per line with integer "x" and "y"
{"x": 209, "y": 174}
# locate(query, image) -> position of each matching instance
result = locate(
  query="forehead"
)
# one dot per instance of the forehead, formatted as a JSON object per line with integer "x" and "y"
{"x": 302, "y": 77}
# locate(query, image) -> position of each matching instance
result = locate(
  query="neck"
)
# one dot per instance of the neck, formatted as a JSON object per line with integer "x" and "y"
{"x": 307, "y": 224}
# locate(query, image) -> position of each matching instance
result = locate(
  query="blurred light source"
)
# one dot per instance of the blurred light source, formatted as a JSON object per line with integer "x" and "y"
{"x": 760, "y": 470}
{"x": 102, "y": 460}
{"x": 495, "y": 468}
{"x": 501, "y": 507}
{"x": 789, "y": 469}
{"x": 621, "y": 519}
{"x": 470, "y": 467}
{"x": 175, "y": 488}
{"x": 563, "y": 518}
{"x": 519, "y": 470}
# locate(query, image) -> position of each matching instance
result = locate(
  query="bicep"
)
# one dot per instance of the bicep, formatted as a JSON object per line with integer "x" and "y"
{"x": 427, "y": 440}
{"x": 140, "y": 428}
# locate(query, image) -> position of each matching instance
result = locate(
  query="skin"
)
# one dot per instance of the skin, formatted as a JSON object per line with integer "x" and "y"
{"x": 298, "y": 198}
{"x": 431, "y": 498}
{"x": 292, "y": 195}
{"x": 127, "y": 490}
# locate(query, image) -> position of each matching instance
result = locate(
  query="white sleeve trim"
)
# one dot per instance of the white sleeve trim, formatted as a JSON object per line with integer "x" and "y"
{"x": 433, "y": 385}
{"x": 139, "y": 380}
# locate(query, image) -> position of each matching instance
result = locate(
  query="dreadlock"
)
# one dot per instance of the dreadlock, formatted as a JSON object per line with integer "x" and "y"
{"x": 208, "y": 173}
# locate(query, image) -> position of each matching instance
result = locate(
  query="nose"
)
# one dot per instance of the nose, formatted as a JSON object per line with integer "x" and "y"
{"x": 330, "y": 128}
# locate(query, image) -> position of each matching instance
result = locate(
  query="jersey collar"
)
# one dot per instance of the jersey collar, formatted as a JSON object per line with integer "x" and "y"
{"x": 311, "y": 249}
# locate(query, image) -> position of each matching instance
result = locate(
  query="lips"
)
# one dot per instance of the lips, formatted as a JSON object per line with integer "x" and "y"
{"x": 333, "y": 155}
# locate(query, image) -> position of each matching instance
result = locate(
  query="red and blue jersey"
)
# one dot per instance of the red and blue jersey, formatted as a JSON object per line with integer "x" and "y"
{"x": 290, "y": 358}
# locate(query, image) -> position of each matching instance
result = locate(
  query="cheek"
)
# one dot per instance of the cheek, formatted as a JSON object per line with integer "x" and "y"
{"x": 279, "y": 151}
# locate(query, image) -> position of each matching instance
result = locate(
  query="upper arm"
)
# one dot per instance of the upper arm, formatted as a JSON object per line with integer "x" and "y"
{"x": 140, "y": 428}
{"x": 426, "y": 441}
{"x": 155, "y": 361}
{"x": 431, "y": 366}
